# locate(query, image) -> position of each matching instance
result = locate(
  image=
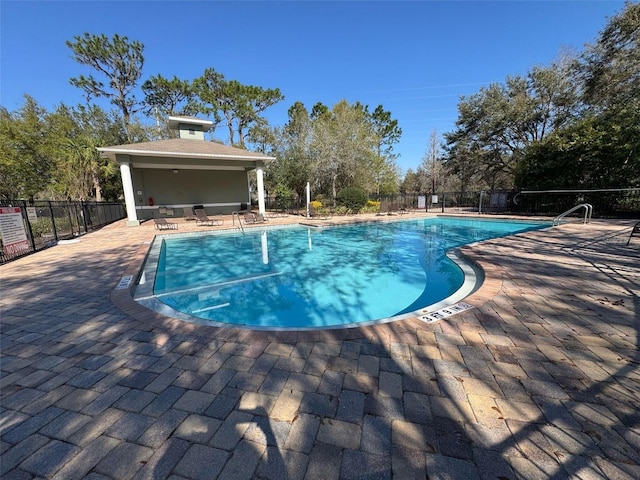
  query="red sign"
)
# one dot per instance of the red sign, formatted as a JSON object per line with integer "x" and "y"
{"x": 14, "y": 237}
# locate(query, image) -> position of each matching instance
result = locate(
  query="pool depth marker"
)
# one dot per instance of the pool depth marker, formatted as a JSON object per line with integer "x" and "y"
{"x": 445, "y": 312}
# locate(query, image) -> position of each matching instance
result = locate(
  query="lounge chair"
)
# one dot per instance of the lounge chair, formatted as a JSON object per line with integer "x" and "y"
{"x": 162, "y": 224}
{"x": 204, "y": 220}
{"x": 252, "y": 217}
{"x": 384, "y": 208}
{"x": 188, "y": 216}
{"x": 635, "y": 232}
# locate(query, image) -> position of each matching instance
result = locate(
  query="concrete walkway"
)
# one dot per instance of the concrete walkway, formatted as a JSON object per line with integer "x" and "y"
{"x": 540, "y": 380}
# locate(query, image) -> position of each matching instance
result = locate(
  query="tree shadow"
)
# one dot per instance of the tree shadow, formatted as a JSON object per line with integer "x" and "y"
{"x": 400, "y": 400}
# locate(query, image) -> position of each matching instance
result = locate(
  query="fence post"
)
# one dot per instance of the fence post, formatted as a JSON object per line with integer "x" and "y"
{"x": 83, "y": 212}
{"x": 53, "y": 221}
{"x": 25, "y": 216}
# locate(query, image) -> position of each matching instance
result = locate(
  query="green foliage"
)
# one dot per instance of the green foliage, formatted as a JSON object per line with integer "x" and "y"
{"x": 54, "y": 154}
{"x": 341, "y": 210}
{"x": 164, "y": 97}
{"x": 239, "y": 105}
{"x": 284, "y": 198}
{"x": 41, "y": 227}
{"x": 119, "y": 61}
{"x": 573, "y": 125}
{"x": 498, "y": 123}
{"x": 343, "y": 148}
{"x": 353, "y": 198}
{"x": 387, "y": 131}
{"x": 371, "y": 207}
{"x": 294, "y": 163}
{"x": 27, "y": 150}
{"x": 588, "y": 155}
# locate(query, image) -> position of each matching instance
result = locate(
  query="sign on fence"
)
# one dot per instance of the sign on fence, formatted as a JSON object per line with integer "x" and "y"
{"x": 32, "y": 215}
{"x": 14, "y": 236}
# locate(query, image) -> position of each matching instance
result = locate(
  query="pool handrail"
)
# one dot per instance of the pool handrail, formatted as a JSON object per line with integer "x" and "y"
{"x": 588, "y": 211}
{"x": 235, "y": 214}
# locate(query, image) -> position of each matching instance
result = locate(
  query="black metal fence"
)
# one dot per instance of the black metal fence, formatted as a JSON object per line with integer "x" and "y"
{"x": 47, "y": 222}
{"x": 607, "y": 203}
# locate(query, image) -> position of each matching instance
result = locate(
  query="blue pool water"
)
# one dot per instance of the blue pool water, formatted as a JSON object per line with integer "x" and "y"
{"x": 303, "y": 277}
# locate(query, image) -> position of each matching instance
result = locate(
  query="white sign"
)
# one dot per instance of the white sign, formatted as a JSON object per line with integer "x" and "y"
{"x": 434, "y": 198}
{"x": 14, "y": 237}
{"x": 31, "y": 214}
{"x": 422, "y": 202}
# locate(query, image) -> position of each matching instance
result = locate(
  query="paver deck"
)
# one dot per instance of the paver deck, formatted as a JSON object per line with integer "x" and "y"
{"x": 540, "y": 380}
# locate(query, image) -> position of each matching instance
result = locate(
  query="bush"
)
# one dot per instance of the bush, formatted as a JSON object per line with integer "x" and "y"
{"x": 284, "y": 198}
{"x": 316, "y": 204}
{"x": 352, "y": 198}
{"x": 371, "y": 207}
{"x": 320, "y": 198}
{"x": 41, "y": 227}
{"x": 341, "y": 210}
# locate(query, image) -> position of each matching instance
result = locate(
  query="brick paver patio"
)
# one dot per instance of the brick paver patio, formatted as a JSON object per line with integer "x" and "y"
{"x": 540, "y": 380}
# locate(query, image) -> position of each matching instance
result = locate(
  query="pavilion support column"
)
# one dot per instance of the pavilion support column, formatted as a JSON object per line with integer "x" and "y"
{"x": 129, "y": 198}
{"x": 260, "y": 182}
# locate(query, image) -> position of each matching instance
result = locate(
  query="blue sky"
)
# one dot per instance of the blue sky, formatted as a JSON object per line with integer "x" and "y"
{"x": 414, "y": 58}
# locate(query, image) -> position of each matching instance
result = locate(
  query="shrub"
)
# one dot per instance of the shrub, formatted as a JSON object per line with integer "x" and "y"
{"x": 371, "y": 207}
{"x": 352, "y": 198}
{"x": 284, "y": 197}
{"x": 316, "y": 204}
{"x": 341, "y": 210}
{"x": 320, "y": 198}
{"x": 41, "y": 227}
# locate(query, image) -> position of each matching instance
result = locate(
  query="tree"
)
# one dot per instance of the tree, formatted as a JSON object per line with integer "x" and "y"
{"x": 252, "y": 102}
{"x": 496, "y": 125}
{"x": 239, "y": 105}
{"x": 344, "y": 147}
{"x": 586, "y": 155}
{"x": 293, "y": 167}
{"x": 386, "y": 130}
{"x": 410, "y": 183}
{"x": 599, "y": 148}
{"x": 26, "y": 151}
{"x": 164, "y": 98}
{"x": 207, "y": 91}
{"x": 116, "y": 59}
{"x": 98, "y": 128}
{"x": 432, "y": 164}
{"x": 610, "y": 68}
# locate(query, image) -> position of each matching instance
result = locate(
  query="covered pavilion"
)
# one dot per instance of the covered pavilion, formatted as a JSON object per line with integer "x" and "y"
{"x": 171, "y": 177}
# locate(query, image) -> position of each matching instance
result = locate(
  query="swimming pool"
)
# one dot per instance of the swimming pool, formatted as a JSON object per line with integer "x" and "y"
{"x": 302, "y": 277}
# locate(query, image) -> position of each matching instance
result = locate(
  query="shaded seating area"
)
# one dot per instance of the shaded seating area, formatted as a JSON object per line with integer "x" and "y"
{"x": 203, "y": 220}
{"x": 162, "y": 224}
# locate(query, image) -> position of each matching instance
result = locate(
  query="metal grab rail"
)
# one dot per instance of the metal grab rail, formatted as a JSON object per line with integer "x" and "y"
{"x": 233, "y": 220}
{"x": 588, "y": 211}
